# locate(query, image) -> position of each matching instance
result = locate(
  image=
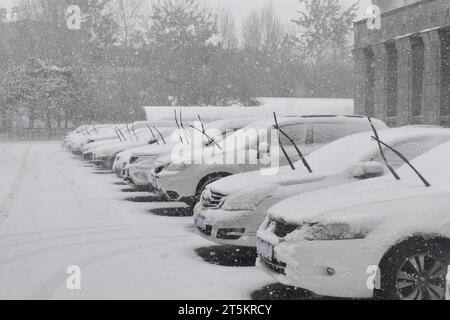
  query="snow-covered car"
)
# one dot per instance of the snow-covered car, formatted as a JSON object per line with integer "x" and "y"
{"x": 120, "y": 132}
{"x": 232, "y": 209}
{"x": 104, "y": 155}
{"x": 186, "y": 180}
{"x": 130, "y": 162}
{"x": 378, "y": 238}
{"x": 86, "y": 134}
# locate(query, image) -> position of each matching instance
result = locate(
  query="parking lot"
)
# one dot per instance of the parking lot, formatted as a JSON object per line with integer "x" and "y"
{"x": 57, "y": 212}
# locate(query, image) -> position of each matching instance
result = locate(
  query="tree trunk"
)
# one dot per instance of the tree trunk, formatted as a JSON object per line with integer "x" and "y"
{"x": 49, "y": 125}
{"x": 66, "y": 120}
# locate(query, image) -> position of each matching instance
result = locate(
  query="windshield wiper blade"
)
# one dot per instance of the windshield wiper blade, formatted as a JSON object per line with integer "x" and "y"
{"x": 401, "y": 156}
{"x": 160, "y": 134}
{"x": 276, "y": 126}
{"x": 153, "y": 134}
{"x": 134, "y": 132}
{"x": 210, "y": 140}
{"x": 117, "y": 133}
{"x": 383, "y": 156}
{"x": 120, "y": 131}
{"x": 178, "y": 125}
{"x": 182, "y": 124}
{"x": 186, "y": 136}
{"x": 300, "y": 154}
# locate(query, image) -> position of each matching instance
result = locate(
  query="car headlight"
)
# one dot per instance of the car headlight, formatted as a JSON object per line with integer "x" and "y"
{"x": 334, "y": 231}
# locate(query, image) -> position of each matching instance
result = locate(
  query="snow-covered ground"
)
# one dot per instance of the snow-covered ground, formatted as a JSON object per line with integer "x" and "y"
{"x": 56, "y": 211}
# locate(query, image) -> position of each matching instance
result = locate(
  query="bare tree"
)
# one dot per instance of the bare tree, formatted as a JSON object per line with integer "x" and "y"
{"x": 227, "y": 29}
{"x": 262, "y": 30}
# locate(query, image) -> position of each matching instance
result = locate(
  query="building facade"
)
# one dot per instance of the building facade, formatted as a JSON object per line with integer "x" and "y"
{"x": 402, "y": 69}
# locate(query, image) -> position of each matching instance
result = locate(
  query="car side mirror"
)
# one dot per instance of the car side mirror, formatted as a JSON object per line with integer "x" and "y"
{"x": 368, "y": 170}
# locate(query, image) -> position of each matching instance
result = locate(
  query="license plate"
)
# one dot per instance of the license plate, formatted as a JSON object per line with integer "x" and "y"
{"x": 264, "y": 249}
{"x": 200, "y": 222}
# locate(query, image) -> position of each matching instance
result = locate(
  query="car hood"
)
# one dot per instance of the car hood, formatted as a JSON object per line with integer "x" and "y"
{"x": 363, "y": 199}
{"x": 112, "y": 149}
{"x": 285, "y": 176}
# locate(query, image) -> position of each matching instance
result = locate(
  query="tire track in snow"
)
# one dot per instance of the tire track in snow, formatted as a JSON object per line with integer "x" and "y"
{"x": 46, "y": 290}
{"x": 8, "y": 201}
{"x": 98, "y": 232}
{"x": 40, "y": 251}
{"x": 93, "y": 229}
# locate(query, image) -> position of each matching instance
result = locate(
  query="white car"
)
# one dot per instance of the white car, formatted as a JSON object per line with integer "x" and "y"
{"x": 86, "y": 134}
{"x": 191, "y": 138}
{"x": 104, "y": 155}
{"x": 120, "y": 132}
{"x": 187, "y": 180}
{"x": 232, "y": 209}
{"x": 377, "y": 238}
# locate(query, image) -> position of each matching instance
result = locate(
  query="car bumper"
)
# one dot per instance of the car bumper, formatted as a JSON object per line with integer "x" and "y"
{"x": 87, "y": 156}
{"x": 235, "y": 228}
{"x": 77, "y": 152}
{"x": 327, "y": 268}
{"x": 106, "y": 164}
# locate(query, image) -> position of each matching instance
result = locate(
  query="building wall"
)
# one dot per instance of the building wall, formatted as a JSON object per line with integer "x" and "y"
{"x": 387, "y": 5}
{"x": 419, "y": 22}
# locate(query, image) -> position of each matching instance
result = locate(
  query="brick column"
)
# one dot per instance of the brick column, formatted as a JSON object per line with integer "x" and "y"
{"x": 404, "y": 81}
{"x": 380, "y": 80}
{"x": 359, "y": 80}
{"x": 431, "y": 86}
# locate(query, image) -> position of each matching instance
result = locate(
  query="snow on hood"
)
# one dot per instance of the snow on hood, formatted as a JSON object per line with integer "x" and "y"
{"x": 253, "y": 179}
{"x": 112, "y": 149}
{"x": 382, "y": 201}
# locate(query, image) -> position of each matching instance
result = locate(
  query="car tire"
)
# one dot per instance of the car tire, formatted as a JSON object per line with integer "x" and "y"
{"x": 415, "y": 270}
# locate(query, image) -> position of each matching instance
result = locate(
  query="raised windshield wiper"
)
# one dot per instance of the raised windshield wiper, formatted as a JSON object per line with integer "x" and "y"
{"x": 401, "y": 156}
{"x": 178, "y": 125}
{"x": 203, "y": 131}
{"x": 153, "y": 134}
{"x": 300, "y": 154}
{"x": 160, "y": 134}
{"x": 383, "y": 156}
{"x": 120, "y": 131}
{"x": 134, "y": 132}
{"x": 117, "y": 133}
{"x": 186, "y": 133}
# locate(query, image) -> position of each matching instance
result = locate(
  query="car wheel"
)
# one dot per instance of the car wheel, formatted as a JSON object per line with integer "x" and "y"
{"x": 415, "y": 271}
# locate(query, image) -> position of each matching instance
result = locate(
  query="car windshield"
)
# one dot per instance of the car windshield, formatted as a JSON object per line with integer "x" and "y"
{"x": 247, "y": 137}
{"x": 361, "y": 148}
